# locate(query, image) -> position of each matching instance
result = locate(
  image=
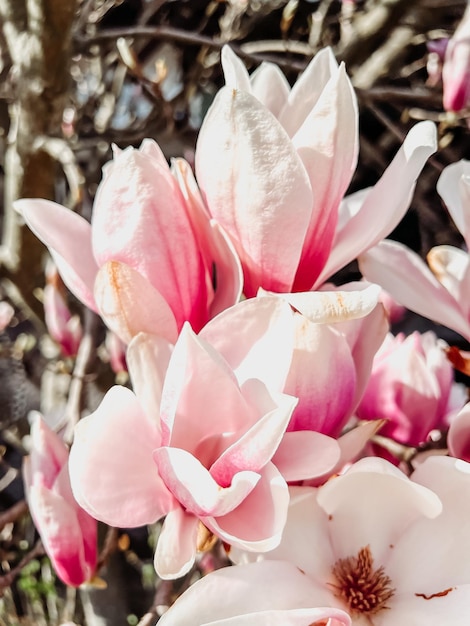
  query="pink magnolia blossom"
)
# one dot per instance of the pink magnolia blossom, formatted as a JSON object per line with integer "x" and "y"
{"x": 63, "y": 327}
{"x": 458, "y": 437}
{"x": 410, "y": 387}
{"x": 191, "y": 444}
{"x": 68, "y": 533}
{"x": 150, "y": 234}
{"x": 265, "y": 151}
{"x": 385, "y": 548}
{"x": 456, "y": 67}
{"x": 441, "y": 291}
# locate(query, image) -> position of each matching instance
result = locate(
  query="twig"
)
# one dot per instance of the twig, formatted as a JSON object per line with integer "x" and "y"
{"x": 13, "y": 513}
{"x": 7, "y": 579}
{"x": 110, "y": 545}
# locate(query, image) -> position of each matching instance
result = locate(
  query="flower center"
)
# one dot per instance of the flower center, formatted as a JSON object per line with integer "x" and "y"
{"x": 364, "y": 589}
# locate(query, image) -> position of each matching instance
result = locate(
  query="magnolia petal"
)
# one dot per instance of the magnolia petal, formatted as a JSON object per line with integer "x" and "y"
{"x": 440, "y": 606}
{"x": 387, "y": 201}
{"x": 193, "y": 410}
{"x": 307, "y": 90}
{"x": 235, "y": 73}
{"x": 292, "y": 617}
{"x": 458, "y": 437}
{"x": 328, "y": 307}
{"x": 215, "y": 245}
{"x": 328, "y": 144}
{"x": 61, "y": 535}
{"x": 454, "y": 188}
{"x": 304, "y": 455}
{"x": 355, "y": 440}
{"x": 140, "y": 219}
{"x": 48, "y": 453}
{"x": 264, "y": 326}
{"x": 257, "y": 523}
{"x": 270, "y": 86}
{"x": 129, "y": 304}
{"x": 252, "y": 189}
{"x": 255, "y": 447}
{"x": 322, "y": 375}
{"x": 68, "y": 237}
{"x": 263, "y": 586}
{"x": 176, "y": 547}
{"x": 194, "y": 487}
{"x": 447, "y": 533}
{"x": 116, "y": 443}
{"x": 147, "y": 358}
{"x": 389, "y": 503}
{"x": 409, "y": 281}
{"x": 451, "y": 267}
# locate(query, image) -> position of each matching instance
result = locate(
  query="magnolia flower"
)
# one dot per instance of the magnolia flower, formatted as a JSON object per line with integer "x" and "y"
{"x": 68, "y": 533}
{"x": 149, "y": 235}
{"x": 458, "y": 437}
{"x": 320, "y": 351}
{"x": 62, "y": 326}
{"x": 371, "y": 542}
{"x": 456, "y": 67}
{"x": 441, "y": 291}
{"x": 265, "y": 151}
{"x": 197, "y": 448}
{"x": 410, "y": 386}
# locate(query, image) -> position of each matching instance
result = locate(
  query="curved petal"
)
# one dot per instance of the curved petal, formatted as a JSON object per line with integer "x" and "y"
{"x": 176, "y": 546}
{"x": 147, "y": 358}
{"x": 372, "y": 504}
{"x": 454, "y": 188}
{"x": 307, "y": 89}
{"x": 244, "y": 589}
{"x": 270, "y": 86}
{"x": 48, "y": 455}
{"x": 235, "y": 72}
{"x": 407, "y": 278}
{"x": 139, "y": 218}
{"x": 292, "y": 617}
{"x": 252, "y": 189}
{"x": 262, "y": 326}
{"x": 194, "y": 487}
{"x": 328, "y": 144}
{"x": 68, "y": 237}
{"x": 458, "y": 437}
{"x": 304, "y": 455}
{"x": 116, "y": 443}
{"x": 257, "y": 523}
{"x": 129, "y": 304}
{"x": 451, "y": 267}
{"x": 387, "y": 201}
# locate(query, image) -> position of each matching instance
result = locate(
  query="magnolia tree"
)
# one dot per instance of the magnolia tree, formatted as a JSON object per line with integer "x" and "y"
{"x": 298, "y": 462}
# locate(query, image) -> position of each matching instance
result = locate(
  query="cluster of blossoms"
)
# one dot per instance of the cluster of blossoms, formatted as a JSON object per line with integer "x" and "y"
{"x": 256, "y": 385}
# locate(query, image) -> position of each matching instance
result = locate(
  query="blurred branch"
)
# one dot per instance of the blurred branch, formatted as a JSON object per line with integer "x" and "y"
{"x": 38, "y": 36}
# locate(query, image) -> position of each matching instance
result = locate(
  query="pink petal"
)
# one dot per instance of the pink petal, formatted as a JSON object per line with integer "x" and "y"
{"x": 217, "y": 249}
{"x": 304, "y": 455}
{"x": 176, "y": 547}
{"x": 198, "y": 383}
{"x": 68, "y": 237}
{"x": 458, "y": 438}
{"x": 129, "y": 304}
{"x": 307, "y": 90}
{"x": 271, "y": 87}
{"x": 235, "y": 72}
{"x": 256, "y": 524}
{"x": 148, "y": 357}
{"x": 48, "y": 455}
{"x": 194, "y": 487}
{"x": 408, "y": 279}
{"x": 392, "y": 195}
{"x": 245, "y": 590}
{"x": 116, "y": 443}
{"x": 252, "y": 189}
{"x": 290, "y": 617}
{"x": 256, "y": 446}
{"x": 263, "y": 326}
{"x": 451, "y": 267}
{"x": 61, "y": 535}
{"x": 327, "y": 143}
{"x": 454, "y": 188}
{"x": 140, "y": 219}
